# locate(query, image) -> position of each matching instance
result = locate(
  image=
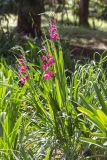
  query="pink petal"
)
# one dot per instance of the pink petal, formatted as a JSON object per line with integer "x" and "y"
{"x": 26, "y": 77}
{"x": 48, "y": 75}
{"x": 44, "y": 58}
{"x": 22, "y": 80}
{"x": 51, "y": 61}
{"x": 22, "y": 69}
{"x": 45, "y": 66}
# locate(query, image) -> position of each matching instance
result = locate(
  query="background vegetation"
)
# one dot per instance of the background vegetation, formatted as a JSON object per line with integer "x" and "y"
{"x": 53, "y": 81}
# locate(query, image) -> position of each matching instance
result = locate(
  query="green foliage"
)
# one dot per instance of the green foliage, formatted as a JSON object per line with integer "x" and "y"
{"x": 44, "y": 119}
{"x": 7, "y": 41}
{"x": 10, "y": 117}
{"x": 55, "y": 116}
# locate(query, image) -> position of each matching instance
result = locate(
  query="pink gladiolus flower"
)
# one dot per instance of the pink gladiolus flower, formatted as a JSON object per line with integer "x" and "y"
{"x": 54, "y": 36}
{"x": 51, "y": 61}
{"x": 53, "y": 22}
{"x": 44, "y": 58}
{"x": 21, "y": 61}
{"x": 22, "y": 80}
{"x": 22, "y": 69}
{"x": 53, "y": 29}
{"x": 45, "y": 67}
{"x": 48, "y": 75}
{"x": 26, "y": 77}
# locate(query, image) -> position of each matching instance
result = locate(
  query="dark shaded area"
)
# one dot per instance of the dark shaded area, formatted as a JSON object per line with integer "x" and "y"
{"x": 87, "y": 52}
{"x": 79, "y": 52}
{"x": 29, "y": 18}
{"x": 8, "y": 7}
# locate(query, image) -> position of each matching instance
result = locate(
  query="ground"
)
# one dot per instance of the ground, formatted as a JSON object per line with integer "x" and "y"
{"x": 85, "y": 37}
{"x": 84, "y": 41}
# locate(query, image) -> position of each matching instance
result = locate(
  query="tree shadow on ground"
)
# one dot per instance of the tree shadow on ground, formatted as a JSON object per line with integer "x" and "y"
{"x": 84, "y": 37}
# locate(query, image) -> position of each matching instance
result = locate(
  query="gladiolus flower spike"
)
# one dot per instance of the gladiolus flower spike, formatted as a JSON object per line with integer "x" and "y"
{"x": 48, "y": 61}
{"x": 53, "y": 30}
{"x": 22, "y": 69}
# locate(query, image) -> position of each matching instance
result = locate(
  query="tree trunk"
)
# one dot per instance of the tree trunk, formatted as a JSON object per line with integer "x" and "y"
{"x": 61, "y": 1}
{"x": 29, "y": 18}
{"x": 83, "y": 12}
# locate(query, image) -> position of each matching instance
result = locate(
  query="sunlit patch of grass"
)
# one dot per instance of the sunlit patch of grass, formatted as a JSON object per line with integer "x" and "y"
{"x": 98, "y": 24}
